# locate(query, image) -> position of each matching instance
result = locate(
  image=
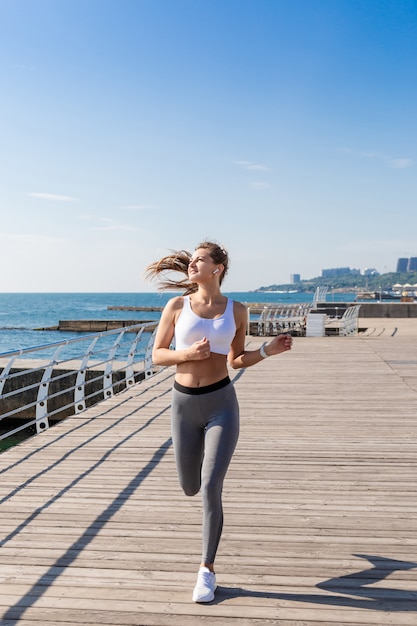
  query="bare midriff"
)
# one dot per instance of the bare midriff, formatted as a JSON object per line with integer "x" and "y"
{"x": 202, "y": 373}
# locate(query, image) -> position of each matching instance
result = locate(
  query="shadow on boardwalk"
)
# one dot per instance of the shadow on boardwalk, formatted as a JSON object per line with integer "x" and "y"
{"x": 357, "y": 584}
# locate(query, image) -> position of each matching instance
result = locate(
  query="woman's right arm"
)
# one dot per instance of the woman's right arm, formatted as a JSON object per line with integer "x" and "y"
{"x": 162, "y": 353}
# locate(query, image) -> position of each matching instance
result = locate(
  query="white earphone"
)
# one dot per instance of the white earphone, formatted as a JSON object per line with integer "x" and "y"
{"x": 215, "y": 271}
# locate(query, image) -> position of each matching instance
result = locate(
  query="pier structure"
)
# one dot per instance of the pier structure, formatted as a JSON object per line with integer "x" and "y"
{"x": 263, "y": 319}
{"x": 320, "y": 500}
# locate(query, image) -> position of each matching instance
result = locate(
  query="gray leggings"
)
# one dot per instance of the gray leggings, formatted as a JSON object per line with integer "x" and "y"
{"x": 205, "y": 430}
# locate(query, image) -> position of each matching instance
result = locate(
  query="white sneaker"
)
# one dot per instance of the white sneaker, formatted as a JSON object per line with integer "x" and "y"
{"x": 205, "y": 587}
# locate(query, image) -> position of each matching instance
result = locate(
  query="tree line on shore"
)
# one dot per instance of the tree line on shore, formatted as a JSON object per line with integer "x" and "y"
{"x": 349, "y": 282}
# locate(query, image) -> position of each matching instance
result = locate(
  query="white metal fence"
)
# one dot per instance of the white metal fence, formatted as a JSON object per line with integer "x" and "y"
{"x": 42, "y": 384}
{"x": 289, "y": 318}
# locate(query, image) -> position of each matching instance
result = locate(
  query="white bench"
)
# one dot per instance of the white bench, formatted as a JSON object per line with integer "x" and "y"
{"x": 347, "y": 324}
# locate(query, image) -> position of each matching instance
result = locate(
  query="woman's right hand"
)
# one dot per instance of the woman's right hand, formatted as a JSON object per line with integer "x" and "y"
{"x": 200, "y": 350}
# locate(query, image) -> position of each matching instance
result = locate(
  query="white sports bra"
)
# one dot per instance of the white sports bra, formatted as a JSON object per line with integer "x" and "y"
{"x": 220, "y": 331}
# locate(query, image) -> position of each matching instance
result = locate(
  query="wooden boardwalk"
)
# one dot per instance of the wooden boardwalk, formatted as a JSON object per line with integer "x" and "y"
{"x": 320, "y": 501}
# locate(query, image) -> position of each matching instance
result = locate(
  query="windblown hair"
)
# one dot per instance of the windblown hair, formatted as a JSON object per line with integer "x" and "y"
{"x": 178, "y": 261}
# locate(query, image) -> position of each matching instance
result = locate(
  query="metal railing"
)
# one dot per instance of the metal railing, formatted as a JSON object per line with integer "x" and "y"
{"x": 320, "y": 295}
{"x": 289, "y": 318}
{"x": 346, "y": 325}
{"x": 96, "y": 366}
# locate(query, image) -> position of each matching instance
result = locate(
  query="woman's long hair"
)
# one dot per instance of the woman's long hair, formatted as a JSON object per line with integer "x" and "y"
{"x": 178, "y": 261}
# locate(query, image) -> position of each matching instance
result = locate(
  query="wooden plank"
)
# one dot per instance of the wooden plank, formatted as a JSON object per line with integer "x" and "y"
{"x": 320, "y": 501}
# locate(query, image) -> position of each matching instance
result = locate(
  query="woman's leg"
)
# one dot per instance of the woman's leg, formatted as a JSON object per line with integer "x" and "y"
{"x": 188, "y": 440}
{"x": 205, "y": 430}
{"x": 221, "y": 435}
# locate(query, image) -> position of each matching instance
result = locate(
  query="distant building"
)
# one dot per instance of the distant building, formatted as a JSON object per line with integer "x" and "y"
{"x": 412, "y": 264}
{"x": 295, "y": 278}
{"x": 402, "y": 265}
{"x": 370, "y": 271}
{"x": 335, "y": 271}
{"x": 407, "y": 265}
{"x": 338, "y": 271}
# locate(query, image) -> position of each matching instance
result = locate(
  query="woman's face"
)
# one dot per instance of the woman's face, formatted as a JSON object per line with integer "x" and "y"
{"x": 201, "y": 266}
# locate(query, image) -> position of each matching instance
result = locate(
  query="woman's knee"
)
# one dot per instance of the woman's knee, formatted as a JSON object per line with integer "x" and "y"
{"x": 190, "y": 488}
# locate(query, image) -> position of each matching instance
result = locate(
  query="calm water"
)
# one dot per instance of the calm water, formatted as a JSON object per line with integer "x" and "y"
{"x": 22, "y": 313}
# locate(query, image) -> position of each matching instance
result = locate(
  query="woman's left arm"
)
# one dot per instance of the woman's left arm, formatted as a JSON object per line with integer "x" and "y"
{"x": 239, "y": 357}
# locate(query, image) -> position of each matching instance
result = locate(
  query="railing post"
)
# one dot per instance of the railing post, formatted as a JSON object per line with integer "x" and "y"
{"x": 130, "y": 372}
{"x": 5, "y": 373}
{"x": 107, "y": 377}
{"x": 42, "y": 422}
{"x": 79, "y": 391}
{"x": 148, "y": 356}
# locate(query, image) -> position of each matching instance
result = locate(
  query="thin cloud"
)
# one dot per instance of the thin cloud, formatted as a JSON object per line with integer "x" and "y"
{"x": 106, "y": 224}
{"x": 52, "y": 196}
{"x": 395, "y": 163}
{"x": 400, "y": 164}
{"x": 248, "y": 165}
{"x": 254, "y": 167}
{"x": 391, "y": 162}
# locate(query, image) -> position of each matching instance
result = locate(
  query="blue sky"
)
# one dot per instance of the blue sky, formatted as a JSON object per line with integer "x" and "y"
{"x": 284, "y": 129}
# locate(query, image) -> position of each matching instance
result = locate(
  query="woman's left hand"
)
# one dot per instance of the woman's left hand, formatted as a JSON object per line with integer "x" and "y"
{"x": 280, "y": 343}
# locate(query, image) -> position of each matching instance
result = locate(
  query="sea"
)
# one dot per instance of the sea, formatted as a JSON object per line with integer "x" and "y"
{"x": 23, "y": 314}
